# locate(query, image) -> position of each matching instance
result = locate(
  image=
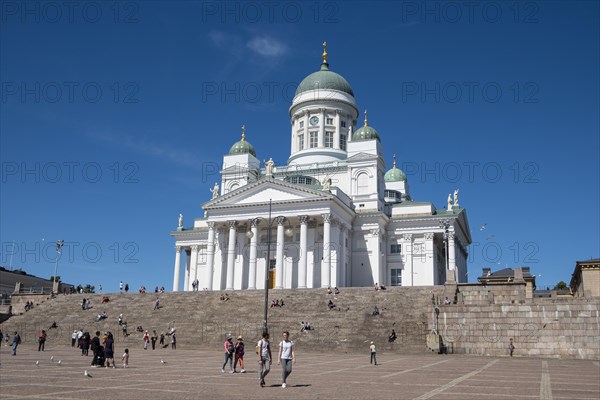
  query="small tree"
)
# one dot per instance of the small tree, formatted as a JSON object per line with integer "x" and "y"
{"x": 560, "y": 286}
{"x": 57, "y": 278}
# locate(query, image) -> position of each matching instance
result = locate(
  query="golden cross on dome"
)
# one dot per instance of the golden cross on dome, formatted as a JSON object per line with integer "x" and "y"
{"x": 243, "y": 133}
{"x": 324, "y": 55}
{"x": 366, "y": 119}
{"x": 394, "y": 161}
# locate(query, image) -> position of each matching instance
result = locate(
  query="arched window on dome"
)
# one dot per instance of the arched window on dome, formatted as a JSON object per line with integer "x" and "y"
{"x": 362, "y": 183}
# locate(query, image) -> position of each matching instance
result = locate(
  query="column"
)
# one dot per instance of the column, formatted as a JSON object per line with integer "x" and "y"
{"x": 326, "y": 264}
{"x": 430, "y": 257}
{"x": 231, "y": 254}
{"x": 279, "y": 253}
{"x": 177, "y": 268}
{"x": 321, "y": 128}
{"x": 451, "y": 258}
{"x": 334, "y": 252}
{"x": 337, "y": 130}
{"x": 253, "y": 249}
{"x": 210, "y": 255}
{"x": 344, "y": 257}
{"x": 303, "y": 251}
{"x": 194, "y": 266}
{"x": 408, "y": 259}
{"x": 186, "y": 278}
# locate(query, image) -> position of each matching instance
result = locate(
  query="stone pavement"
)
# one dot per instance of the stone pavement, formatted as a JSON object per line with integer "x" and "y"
{"x": 197, "y": 374}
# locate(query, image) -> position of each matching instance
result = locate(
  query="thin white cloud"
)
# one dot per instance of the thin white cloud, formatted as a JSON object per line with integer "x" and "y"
{"x": 267, "y": 46}
{"x": 143, "y": 145}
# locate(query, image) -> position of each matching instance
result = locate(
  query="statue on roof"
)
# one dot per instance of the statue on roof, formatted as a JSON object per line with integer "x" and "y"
{"x": 269, "y": 167}
{"x": 215, "y": 191}
{"x": 449, "y": 201}
{"x": 456, "y": 198}
{"x": 326, "y": 182}
{"x": 180, "y": 223}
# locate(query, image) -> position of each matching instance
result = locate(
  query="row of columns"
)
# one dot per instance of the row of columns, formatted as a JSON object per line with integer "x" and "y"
{"x": 326, "y": 265}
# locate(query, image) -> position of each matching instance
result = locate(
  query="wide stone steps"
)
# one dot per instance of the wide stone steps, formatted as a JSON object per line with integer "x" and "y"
{"x": 203, "y": 320}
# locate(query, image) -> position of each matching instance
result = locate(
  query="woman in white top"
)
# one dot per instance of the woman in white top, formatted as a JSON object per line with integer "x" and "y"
{"x": 286, "y": 357}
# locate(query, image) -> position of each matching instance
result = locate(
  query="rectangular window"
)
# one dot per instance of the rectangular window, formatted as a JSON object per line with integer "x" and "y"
{"x": 396, "y": 277}
{"x": 301, "y": 141}
{"x": 328, "y": 139}
{"x": 343, "y": 124}
{"x": 396, "y": 249}
{"x": 314, "y": 139}
{"x": 301, "y": 124}
{"x": 343, "y": 142}
{"x": 329, "y": 121}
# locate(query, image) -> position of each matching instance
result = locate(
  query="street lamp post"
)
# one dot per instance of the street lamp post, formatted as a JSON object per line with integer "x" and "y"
{"x": 288, "y": 233}
{"x": 59, "y": 245}
{"x": 267, "y": 267}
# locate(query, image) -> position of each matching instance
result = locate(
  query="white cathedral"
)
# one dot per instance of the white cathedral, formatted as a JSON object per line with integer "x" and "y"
{"x": 332, "y": 216}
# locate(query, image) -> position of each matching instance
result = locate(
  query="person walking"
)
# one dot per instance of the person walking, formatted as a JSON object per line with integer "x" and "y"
{"x": 146, "y": 339}
{"x": 95, "y": 345}
{"x": 373, "y": 353}
{"x": 15, "y": 343}
{"x": 42, "y": 340}
{"x": 109, "y": 349}
{"x": 173, "y": 342}
{"x": 263, "y": 349}
{"x": 511, "y": 347}
{"x": 239, "y": 354}
{"x": 286, "y": 357}
{"x": 153, "y": 339}
{"x": 229, "y": 351}
{"x": 74, "y": 338}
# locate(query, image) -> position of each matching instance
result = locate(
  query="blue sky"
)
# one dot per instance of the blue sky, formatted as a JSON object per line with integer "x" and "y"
{"x": 115, "y": 117}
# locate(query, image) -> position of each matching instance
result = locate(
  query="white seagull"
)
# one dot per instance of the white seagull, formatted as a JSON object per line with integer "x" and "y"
{"x": 51, "y": 358}
{"x": 86, "y": 374}
{"x": 37, "y": 363}
{"x": 163, "y": 361}
{"x": 59, "y": 362}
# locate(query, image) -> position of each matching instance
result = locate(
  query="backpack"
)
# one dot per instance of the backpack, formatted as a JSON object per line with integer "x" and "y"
{"x": 260, "y": 342}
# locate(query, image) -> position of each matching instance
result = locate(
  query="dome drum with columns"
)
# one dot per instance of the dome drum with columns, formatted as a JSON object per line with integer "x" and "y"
{"x": 338, "y": 218}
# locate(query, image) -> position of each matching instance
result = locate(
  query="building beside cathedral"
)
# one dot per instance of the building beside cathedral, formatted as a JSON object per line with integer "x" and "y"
{"x": 332, "y": 216}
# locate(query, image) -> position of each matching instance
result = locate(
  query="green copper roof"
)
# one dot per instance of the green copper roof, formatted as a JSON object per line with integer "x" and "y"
{"x": 365, "y": 132}
{"x": 242, "y": 147}
{"x": 325, "y": 79}
{"x": 394, "y": 175}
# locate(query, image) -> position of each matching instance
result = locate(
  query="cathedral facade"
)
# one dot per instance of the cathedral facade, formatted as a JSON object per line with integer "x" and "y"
{"x": 332, "y": 216}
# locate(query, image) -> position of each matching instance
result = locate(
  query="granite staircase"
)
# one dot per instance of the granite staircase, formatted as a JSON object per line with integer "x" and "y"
{"x": 202, "y": 320}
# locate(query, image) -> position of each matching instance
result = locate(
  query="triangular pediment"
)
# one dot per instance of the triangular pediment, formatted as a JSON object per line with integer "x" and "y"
{"x": 361, "y": 157}
{"x": 267, "y": 189}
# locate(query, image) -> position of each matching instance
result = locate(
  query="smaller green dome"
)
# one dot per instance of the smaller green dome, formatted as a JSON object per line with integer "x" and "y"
{"x": 365, "y": 132}
{"x": 242, "y": 146}
{"x": 394, "y": 174}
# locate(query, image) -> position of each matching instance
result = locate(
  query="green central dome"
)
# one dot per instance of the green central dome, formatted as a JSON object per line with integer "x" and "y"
{"x": 324, "y": 79}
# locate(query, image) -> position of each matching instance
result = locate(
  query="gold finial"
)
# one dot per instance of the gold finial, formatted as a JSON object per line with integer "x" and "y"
{"x": 366, "y": 119}
{"x": 243, "y": 133}
{"x": 325, "y": 55}
{"x": 394, "y": 161}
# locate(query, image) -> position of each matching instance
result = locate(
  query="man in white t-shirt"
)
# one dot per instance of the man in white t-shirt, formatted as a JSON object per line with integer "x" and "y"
{"x": 286, "y": 357}
{"x": 264, "y": 358}
{"x": 373, "y": 353}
